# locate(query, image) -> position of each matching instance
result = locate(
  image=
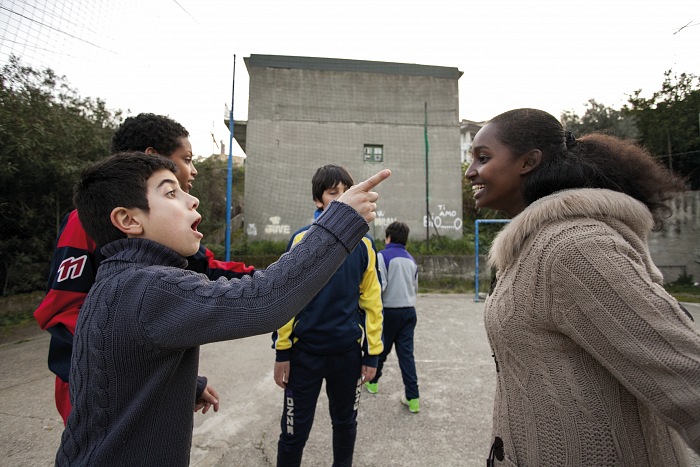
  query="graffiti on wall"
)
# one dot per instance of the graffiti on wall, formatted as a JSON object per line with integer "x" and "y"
{"x": 382, "y": 221}
{"x": 446, "y": 219}
{"x": 274, "y": 227}
{"x": 252, "y": 230}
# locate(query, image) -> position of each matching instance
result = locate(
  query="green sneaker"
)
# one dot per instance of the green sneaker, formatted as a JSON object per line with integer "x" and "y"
{"x": 413, "y": 404}
{"x": 372, "y": 388}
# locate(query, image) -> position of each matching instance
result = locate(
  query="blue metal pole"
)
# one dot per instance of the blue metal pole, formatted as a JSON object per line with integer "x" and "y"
{"x": 229, "y": 174}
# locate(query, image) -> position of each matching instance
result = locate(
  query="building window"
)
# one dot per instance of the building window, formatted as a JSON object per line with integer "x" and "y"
{"x": 374, "y": 153}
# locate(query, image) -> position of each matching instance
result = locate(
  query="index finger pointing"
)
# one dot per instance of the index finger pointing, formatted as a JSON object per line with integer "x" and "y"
{"x": 374, "y": 180}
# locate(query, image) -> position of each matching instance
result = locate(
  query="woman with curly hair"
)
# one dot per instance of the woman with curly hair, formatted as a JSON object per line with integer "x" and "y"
{"x": 596, "y": 363}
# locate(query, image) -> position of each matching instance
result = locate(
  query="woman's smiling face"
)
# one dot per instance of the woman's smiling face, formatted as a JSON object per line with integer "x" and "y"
{"x": 496, "y": 173}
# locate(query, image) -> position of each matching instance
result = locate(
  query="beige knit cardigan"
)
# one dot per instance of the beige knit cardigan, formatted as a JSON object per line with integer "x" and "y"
{"x": 596, "y": 364}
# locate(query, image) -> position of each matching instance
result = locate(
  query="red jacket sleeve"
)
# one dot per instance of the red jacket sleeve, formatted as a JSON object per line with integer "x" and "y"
{"x": 203, "y": 261}
{"x": 73, "y": 269}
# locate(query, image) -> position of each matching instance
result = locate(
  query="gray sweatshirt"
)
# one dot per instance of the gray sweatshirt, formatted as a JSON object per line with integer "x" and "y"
{"x": 399, "y": 276}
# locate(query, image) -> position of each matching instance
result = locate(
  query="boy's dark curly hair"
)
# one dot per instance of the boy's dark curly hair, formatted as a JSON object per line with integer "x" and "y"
{"x": 149, "y": 130}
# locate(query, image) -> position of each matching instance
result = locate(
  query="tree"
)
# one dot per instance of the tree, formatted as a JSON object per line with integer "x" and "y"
{"x": 471, "y": 213}
{"x": 668, "y": 123}
{"x": 210, "y": 189}
{"x": 49, "y": 134}
{"x": 599, "y": 118}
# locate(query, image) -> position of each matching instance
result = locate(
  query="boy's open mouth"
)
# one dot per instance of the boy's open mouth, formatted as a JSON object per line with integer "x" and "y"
{"x": 196, "y": 223}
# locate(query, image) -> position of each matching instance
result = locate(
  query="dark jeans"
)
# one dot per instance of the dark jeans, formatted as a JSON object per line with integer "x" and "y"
{"x": 306, "y": 373}
{"x": 399, "y": 326}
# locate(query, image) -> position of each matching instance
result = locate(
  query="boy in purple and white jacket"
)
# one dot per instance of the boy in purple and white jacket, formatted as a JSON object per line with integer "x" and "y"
{"x": 399, "y": 277}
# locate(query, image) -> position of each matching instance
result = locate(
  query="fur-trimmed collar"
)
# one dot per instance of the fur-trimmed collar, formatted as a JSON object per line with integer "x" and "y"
{"x": 594, "y": 203}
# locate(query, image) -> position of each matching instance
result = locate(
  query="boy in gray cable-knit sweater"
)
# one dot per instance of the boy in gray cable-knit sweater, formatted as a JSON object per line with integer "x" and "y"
{"x": 134, "y": 365}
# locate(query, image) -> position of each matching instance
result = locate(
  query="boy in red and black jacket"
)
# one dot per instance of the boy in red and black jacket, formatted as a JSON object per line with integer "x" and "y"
{"x": 76, "y": 256}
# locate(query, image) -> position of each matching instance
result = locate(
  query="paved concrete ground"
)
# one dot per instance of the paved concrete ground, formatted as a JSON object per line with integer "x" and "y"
{"x": 456, "y": 376}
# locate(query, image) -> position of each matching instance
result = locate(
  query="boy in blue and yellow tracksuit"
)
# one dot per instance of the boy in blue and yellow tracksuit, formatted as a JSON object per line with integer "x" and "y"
{"x": 327, "y": 340}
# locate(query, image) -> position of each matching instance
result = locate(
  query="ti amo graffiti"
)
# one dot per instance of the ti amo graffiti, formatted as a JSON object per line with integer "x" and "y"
{"x": 445, "y": 220}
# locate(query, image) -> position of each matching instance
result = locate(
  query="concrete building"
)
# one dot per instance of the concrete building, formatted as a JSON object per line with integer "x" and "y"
{"x": 237, "y": 159}
{"x": 467, "y": 131}
{"x": 306, "y": 112}
{"x": 676, "y": 248}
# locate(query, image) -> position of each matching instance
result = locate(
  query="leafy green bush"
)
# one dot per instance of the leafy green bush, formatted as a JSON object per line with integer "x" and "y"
{"x": 684, "y": 289}
{"x": 259, "y": 248}
{"x": 218, "y": 249}
{"x": 684, "y": 279}
{"x": 49, "y": 134}
{"x": 437, "y": 246}
{"x": 16, "y": 318}
{"x": 446, "y": 285}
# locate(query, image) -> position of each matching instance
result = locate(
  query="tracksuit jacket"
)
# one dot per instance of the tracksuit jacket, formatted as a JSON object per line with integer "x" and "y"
{"x": 333, "y": 322}
{"x": 399, "y": 276}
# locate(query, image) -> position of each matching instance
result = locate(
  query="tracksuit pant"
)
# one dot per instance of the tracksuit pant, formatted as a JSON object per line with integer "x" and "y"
{"x": 399, "y": 327}
{"x": 307, "y": 371}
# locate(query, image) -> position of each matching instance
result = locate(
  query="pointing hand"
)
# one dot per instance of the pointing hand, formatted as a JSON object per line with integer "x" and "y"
{"x": 360, "y": 198}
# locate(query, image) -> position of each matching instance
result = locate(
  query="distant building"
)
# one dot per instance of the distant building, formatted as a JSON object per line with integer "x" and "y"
{"x": 237, "y": 160}
{"x": 675, "y": 249}
{"x": 467, "y": 130}
{"x": 306, "y": 112}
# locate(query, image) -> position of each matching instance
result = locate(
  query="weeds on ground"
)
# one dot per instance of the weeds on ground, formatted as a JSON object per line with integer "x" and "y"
{"x": 684, "y": 289}
{"x": 18, "y": 309}
{"x": 436, "y": 246}
{"x": 445, "y": 285}
{"x": 16, "y": 318}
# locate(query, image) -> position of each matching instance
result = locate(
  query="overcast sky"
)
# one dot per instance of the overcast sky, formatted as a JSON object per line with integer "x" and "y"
{"x": 176, "y": 57}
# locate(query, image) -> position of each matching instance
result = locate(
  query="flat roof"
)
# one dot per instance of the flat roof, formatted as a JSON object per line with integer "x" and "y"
{"x": 337, "y": 64}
